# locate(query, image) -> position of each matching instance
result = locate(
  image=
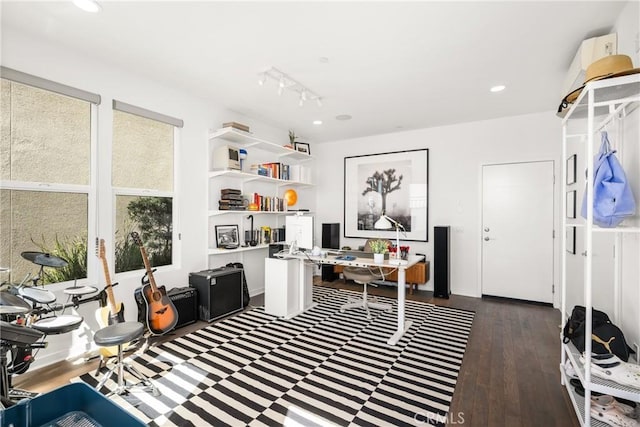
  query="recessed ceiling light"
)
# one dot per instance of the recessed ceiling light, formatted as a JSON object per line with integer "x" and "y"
{"x": 88, "y": 5}
{"x": 317, "y": 122}
{"x": 343, "y": 117}
{"x": 323, "y": 59}
{"x": 498, "y": 88}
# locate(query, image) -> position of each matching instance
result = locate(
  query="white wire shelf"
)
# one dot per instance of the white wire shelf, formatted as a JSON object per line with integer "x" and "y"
{"x": 599, "y": 384}
{"x": 596, "y": 229}
{"x": 578, "y": 402}
{"x": 606, "y": 94}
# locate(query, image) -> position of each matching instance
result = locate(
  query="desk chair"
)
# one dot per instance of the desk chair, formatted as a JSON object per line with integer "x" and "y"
{"x": 119, "y": 334}
{"x": 364, "y": 276}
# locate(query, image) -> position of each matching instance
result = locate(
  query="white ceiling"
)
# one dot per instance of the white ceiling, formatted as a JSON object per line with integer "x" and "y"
{"x": 391, "y": 65}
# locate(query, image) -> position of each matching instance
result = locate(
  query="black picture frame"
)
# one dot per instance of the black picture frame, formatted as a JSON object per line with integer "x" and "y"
{"x": 571, "y": 170}
{"x": 571, "y": 240}
{"x": 303, "y": 147}
{"x": 365, "y": 179}
{"x": 571, "y": 204}
{"x": 227, "y": 235}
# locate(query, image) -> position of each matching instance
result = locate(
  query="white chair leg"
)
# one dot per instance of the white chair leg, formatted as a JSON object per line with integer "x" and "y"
{"x": 365, "y": 303}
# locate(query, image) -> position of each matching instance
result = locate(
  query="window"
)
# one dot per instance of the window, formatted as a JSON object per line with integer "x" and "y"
{"x": 143, "y": 185}
{"x": 45, "y": 163}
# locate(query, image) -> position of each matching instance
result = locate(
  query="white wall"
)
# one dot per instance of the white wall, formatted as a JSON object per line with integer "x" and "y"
{"x": 55, "y": 63}
{"x": 456, "y": 154}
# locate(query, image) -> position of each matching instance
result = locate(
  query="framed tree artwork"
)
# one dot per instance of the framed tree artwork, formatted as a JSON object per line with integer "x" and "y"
{"x": 395, "y": 184}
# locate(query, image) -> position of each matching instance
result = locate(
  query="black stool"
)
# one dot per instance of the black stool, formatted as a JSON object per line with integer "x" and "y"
{"x": 119, "y": 334}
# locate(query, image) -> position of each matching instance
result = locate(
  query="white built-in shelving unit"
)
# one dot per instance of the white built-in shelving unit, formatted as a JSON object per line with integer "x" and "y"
{"x": 602, "y": 105}
{"x": 259, "y": 151}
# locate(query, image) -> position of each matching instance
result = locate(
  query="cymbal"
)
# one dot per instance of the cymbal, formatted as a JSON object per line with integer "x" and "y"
{"x": 11, "y": 304}
{"x": 46, "y": 260}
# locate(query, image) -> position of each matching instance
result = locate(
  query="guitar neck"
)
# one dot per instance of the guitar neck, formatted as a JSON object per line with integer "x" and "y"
{"x": 107, "y": 277}
{"x": 147, "y": 266}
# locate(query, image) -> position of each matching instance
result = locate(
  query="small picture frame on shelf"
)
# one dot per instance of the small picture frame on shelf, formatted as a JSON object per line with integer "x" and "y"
{"x": 571, "y": 204}
{"x": 571, "y": 170}
{"x": 571, "y": 240}
{"x": 227, "y": 236}
{"x": 303, "y": 147}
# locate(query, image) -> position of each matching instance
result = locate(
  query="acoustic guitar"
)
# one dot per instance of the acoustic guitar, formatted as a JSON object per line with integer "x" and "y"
{"x": 161, "y": 315}
{"x": 112, "y": 312}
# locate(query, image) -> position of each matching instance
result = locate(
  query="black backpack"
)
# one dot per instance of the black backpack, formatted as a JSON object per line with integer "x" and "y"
{"x": 607, "y": 338}
{"x": 245, "y": 289}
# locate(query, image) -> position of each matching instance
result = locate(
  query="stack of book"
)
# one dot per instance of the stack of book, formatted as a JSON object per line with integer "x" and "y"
{"x": 231, "y": 200}
{"x": 238, "y": 126}
{"x": 272, "y": 170}
{"x": 268, "y": 203}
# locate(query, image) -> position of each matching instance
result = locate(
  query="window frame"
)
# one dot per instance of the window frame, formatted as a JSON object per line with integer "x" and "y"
{"x": 145, "y": 192}
{"x": 91, "y": 190}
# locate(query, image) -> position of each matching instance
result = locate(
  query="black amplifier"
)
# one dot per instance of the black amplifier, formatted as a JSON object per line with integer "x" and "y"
{"x": 186, "y": 302}
{"x": 220, "y": 291}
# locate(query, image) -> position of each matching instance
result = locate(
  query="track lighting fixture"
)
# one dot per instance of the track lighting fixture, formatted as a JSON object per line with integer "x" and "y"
{"x": 286, "y": 82}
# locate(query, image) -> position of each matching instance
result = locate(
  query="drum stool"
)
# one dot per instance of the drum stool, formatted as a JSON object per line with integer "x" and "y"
{"x": 119, "y": 334}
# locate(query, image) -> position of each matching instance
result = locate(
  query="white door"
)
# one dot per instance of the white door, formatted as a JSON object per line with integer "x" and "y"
{"x": 517, "y": 231}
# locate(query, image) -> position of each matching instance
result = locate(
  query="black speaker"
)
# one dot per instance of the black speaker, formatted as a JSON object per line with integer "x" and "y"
{"x": 219, "y": 292}
{"x": 274, "y": 248}
{"x": 331, "y": 236}
{"x": 186, "y": 302}
{"x": 330, "y": 240}
{"x": 441, "y": 262}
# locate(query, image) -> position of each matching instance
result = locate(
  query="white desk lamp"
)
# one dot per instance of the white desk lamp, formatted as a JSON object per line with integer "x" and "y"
{"x": 385, "y": 223}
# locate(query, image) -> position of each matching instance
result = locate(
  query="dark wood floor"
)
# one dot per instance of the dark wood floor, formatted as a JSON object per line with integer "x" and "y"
{"x": 509, "y": 375}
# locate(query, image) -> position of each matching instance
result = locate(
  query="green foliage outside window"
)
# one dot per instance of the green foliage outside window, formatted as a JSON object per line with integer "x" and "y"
{"x": 150, "y": 216}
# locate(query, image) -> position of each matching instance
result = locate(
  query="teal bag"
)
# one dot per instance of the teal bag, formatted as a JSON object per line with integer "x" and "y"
{"x": 612, "y": 197}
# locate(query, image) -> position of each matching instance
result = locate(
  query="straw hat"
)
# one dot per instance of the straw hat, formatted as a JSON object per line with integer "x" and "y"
{"x": 603, "y": 68}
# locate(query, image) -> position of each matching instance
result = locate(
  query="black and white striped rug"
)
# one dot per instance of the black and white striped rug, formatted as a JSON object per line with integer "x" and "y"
{"x": 322, "y": 367}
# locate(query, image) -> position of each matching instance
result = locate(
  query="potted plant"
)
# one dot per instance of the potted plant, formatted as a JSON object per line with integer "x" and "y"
{"x": 379, "y": 247}
{"x": 292, "y": 138}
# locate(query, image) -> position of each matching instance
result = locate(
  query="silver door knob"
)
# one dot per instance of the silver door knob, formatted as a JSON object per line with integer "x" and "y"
{"x": 486, "y": 229}
{"x": 486, "y": 239}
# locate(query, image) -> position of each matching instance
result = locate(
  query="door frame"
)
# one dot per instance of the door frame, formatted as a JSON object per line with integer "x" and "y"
{"x": 554, "y": 252}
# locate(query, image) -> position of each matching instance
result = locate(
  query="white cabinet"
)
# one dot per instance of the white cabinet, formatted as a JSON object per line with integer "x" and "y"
{"x": 281, "y": 287}
{"x": 288, "y": 286}
{"x": 603, "y": 105}
{"x": 258, "y": 152}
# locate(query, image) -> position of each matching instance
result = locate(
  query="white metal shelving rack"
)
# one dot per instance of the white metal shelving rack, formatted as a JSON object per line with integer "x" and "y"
{"x": 601, "y": 103}
{"x": 275, "y": 152}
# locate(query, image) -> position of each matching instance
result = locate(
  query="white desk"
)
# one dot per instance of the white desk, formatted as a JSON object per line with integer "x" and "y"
{"x": 403, "y": 324}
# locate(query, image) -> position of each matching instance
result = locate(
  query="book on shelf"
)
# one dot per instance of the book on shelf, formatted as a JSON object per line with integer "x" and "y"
{"x": 300, "y": 173}
{"x": 231, "y": 197}
{"x": 264, "y": 235}
{"x": 230, "y": 191}
{"x": 275, "y": 170}
{"x": 236, "y": 125}
{"x": 268, "y": 203}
